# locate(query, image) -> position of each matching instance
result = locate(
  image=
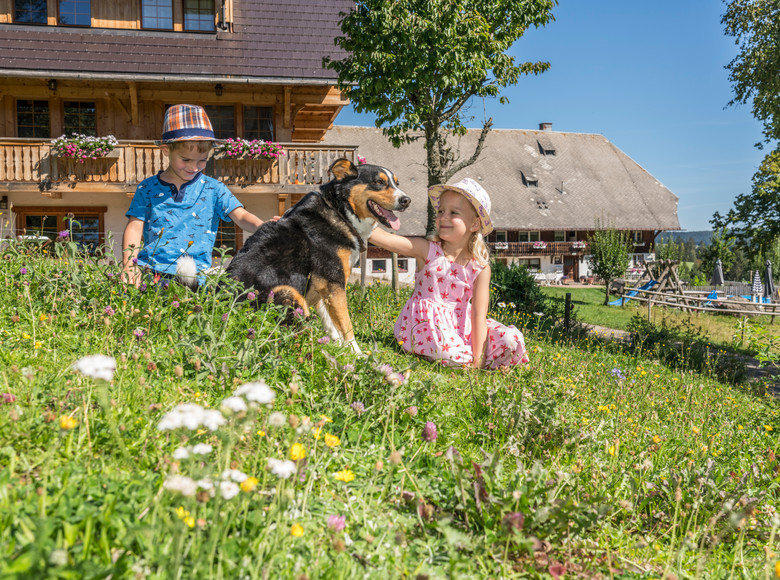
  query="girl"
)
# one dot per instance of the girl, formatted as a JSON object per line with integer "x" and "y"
{"x": 446, "y": 317}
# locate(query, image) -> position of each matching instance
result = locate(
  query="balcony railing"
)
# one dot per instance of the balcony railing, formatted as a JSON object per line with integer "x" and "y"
{"x": 30, "y": 161}
{"x": 534, "y": 248}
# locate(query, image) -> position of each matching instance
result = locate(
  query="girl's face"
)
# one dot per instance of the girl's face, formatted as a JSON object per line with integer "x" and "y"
{"x": 456, "y": 218}
{"x": 184, "y": 162}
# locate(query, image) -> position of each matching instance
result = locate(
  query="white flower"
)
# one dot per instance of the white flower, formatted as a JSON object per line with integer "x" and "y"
{"x": 502, "y": 305}
{"x": 234, "y": 404}
{"x": 277, "y": 419}
{"x": 234, "y": 474}
{"x": 191, "y": 416}
{"x": 202, "y": 449}
{"x": 204, "y": 484}
{"x": 181, "y": 484}
{"x": 538, "y": 313}
{"x": 258, "y": 392}
{"x": 228, "y": 489}
{"x": 181, "y": 453}
{"x": 281, "y": 468}
{"x": 97, "y": 366}
{"x": 212, "y": 420}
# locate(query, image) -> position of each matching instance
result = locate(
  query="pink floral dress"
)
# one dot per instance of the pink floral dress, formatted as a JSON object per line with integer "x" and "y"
{"x": 435, "y": 322}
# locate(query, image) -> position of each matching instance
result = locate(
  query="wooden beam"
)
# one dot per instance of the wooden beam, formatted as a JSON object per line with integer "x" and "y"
{"x": 288, "y": 115}
{"x": 133, "y": 87}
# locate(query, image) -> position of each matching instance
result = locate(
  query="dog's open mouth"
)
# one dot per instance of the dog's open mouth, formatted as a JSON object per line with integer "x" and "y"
{"x": 385, "y": 216}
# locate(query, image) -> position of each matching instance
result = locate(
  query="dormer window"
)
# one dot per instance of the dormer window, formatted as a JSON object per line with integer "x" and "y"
{"x": 546, "y": 147}
{"x": 529, "y": 178}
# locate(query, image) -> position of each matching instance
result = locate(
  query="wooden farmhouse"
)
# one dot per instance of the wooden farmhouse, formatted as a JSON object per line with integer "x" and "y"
{"x": 109, "y": 67}
{"x": 547, "y": 188}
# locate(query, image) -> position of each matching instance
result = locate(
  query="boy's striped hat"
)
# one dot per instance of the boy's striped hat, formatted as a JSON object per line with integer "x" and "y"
{"x": 187, "y": 123}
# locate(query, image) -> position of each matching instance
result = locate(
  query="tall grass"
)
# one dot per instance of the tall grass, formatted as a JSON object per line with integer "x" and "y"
{"x": 317, "y": 464}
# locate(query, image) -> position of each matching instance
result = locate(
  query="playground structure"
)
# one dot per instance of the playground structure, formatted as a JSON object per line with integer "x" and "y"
{"x": 659, "y": 285}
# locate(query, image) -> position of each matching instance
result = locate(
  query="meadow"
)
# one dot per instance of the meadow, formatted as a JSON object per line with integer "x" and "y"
{"x": 158, "y": 433}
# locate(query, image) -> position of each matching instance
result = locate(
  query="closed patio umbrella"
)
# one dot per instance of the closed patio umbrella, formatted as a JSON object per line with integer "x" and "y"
{"x": 769, "y": 284}
{"x": 717, "y": 275}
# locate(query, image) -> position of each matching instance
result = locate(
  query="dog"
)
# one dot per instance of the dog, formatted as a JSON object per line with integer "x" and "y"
{"x": 304, "y": 259}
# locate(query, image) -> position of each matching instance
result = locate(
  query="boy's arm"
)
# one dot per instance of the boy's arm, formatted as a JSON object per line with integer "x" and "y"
{"x": 131, "y": 242}
{"x": 247, "y": 221}
{"x": 479, "y": 307}
{"x": 413, "y": 247}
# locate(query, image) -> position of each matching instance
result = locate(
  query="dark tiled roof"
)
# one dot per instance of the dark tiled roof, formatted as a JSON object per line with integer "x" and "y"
{"x": 270, "y": 40}
{"x": 587, "y": 178}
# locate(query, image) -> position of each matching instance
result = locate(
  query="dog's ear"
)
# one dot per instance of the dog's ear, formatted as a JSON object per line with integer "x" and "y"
{"x": 342, "y": 169}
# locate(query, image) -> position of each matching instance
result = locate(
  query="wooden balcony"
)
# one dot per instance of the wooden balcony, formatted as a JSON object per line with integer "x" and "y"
{"x": 26, "y": 163}
{"x": 513, "y": 249}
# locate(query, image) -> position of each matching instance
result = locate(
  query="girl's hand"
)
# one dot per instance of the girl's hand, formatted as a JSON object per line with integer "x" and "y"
{"x": 412, "y": 247}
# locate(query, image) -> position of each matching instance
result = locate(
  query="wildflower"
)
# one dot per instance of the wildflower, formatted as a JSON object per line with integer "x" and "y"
{"x": 250, "y": 334}
{"x": 332, "y": 440}
{"x": 323, "y": 340}
{"x": 297, "y": 452}
{"x": 249, "y": 484}
{"x": 181, "y": 453}
{"x": 108, "y": 310}
{"x": 429, "y": 433}
{"x": 281, "y": 468}
{"x": 345, "y": 475}
{"x": 64, "y": 234}
{"x": 23, "y": 270}
{"x": 43, "y": 318}
{"x": 277, "y": 419}
{"x": 695, "y": 430}
{"x": 138, "y": 333}
{"x": 317, "y": 432}
{"x": 257, "y": 392}
{"x": 740, "y": 427}
{"x": 191, "y": 416}
{"x": 175, "y": 304}
{"x": 234, "y": 475}
{"x": 612, "y": 450}
{"x": 7, "y": 398}
{"x": 261, "y": 433}
{"x": 411, "y": 411}
{"x": 337, "y": 523}
{"x": 97, "y": 366}
{"x": 358, "y": 407}
{"x": 618, "y": 374}
{"x": 656, "y": 439}
{"x": 67, "y": 422}
{"x": 234, "y": 404}
{"x": 296, "y": 530}
{"x": 224, "y": 317}
{"x": 181, "y": 484}
{"x": 251, "y": 296}
{"x": 326, "y": 419}
{"x": 228, "y": 489}
{"x": 58, "y": 558}
{"x": 513, "y": 521}
{"x": 768, "y": 427}
{"x": 202, "y": 449}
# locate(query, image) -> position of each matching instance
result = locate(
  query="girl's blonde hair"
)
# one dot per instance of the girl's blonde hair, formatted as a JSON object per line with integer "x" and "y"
{"x": 477, "y": 246}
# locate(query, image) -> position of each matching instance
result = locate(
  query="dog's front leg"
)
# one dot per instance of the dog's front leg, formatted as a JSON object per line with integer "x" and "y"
{"x": 332, "y": 308}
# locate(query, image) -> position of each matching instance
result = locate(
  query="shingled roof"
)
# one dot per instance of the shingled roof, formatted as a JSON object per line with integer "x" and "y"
{"x": 579, "y": 178}
{"x": 271, "y": 41}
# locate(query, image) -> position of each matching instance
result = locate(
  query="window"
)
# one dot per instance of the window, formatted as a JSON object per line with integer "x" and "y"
{"x": 30, "y": 11}
{"x": 403, "y": 265}
{"x": 86, "y": 227}
{"x": 258, "y": 123}
{"x": 75, "y": 12}
{"x": 527, "y": 236}
{"x": 533, "y": 264}
{"x": 32, "y": 119}
{"x": 560, "y": 236}
{"x": 500, "y": 236}
{"x": 157, "y": 14}
{"x": 636, "y": 237}
{"x": 229, "y": 239}
{"x": 199, "y": 15}
{"x": 223, "y": 120}
{"x": 80, "y": 118}
{"x": 378, "y": 266}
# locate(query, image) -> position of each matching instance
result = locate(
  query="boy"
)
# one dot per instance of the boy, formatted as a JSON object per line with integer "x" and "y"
{"x": 177, "y": 211}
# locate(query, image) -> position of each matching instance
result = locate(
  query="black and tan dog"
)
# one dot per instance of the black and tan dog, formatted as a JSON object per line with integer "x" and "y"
{"x": 305, "y": 258}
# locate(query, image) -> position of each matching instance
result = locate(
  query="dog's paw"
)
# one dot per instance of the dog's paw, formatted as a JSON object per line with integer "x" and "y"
{"x": 355, "y": 347}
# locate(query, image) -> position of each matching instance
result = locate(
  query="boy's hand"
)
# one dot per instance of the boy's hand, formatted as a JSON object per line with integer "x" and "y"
{"x": 131, "y": 275}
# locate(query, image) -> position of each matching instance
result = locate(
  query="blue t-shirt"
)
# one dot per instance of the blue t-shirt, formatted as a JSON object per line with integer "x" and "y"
{"x": 172, "y": 219}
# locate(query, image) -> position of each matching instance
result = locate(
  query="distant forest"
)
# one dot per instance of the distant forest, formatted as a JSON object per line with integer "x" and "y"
{"x": 701, "y": 237}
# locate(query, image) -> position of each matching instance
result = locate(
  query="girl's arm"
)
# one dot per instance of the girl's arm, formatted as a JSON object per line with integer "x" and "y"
{"x": 479, "y": 308}
{"x": 413, "y": 247}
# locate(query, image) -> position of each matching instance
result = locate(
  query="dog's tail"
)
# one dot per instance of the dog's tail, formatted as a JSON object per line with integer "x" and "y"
{"x": 187, "y": 272}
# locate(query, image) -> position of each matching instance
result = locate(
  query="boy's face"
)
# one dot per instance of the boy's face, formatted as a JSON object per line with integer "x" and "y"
{"x": 185, "y": 161}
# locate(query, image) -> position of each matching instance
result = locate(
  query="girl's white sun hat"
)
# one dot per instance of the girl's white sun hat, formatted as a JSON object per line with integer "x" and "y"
{"x": 474, "y": 192}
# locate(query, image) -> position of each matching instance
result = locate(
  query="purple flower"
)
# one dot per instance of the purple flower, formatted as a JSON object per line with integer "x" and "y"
{"x": 324, "y": 340}
{"x": 22, "y": 270}
{"x": 429, "y": 433}
{"x": 64, "y": 234}
{"x": 109, "y": 310}
{"x": 175, "y": 304}
{"x": 412, "y": 412}
{"x": 251, "y": 296}
{"x": 348, "y": 367}
{"x": 298, "y": 312}
{"x": 7, "y": 398}
{"x": 337, "y": 523}
{"x": 618, "y": 374}
{"x": 224, "y": 317}
{"x": 513, "y": 521}
{"x": 139, "y": 333}
{"x": 358, "y": 407}
{"x": 250, "y": 334}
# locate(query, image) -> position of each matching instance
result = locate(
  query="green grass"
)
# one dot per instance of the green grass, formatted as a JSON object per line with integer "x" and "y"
{"x": 586, "y": 459}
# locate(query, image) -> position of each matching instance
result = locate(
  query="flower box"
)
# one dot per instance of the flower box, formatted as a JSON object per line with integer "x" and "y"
{"x": 243, "y": 149}
{"x": 501, "y": 246}
{"x": 579, "y": 245}
{"x": 540, "y": 245}
{"x": 81, "y": 147}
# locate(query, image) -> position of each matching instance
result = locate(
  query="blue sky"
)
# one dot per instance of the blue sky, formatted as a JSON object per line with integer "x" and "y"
{"x": 650, "y": 77}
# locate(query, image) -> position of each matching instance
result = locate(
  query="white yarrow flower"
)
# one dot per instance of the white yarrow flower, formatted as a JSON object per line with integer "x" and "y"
{"x": 181, "y": 453}
{"x": 202, "y": 449}
{"x": 97, "y": 366}
{"x": 257, "y": 392}
{"x": 181, "y": 484}
{"x": 234, "y": 404}
{"x": 191, "y": 416}
{"x": 281, "y": 468}
{"x": 277, "y": 419}
{"x": 228, "y": 489}
{"x": 235, "y": 475}
{"x": 204, "y": 484}
{"x": 212, "y": 420}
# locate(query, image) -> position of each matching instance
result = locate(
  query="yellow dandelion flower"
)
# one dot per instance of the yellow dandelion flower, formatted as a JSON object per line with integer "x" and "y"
{"x": 181, "y": 513}
{"x": 190, "y": 522}
{"x": 261, "y": 433}
{"x": 656, "y": 439}
{"x": 768, "y": 427}
{"x": 38, "y": 344}
{"x": 332, "y": 440}
{"x": 317, "y": 432}
{"x": 297, "y": 452}
{"x": 296, "y": 530}
{"x": 695, "y": 430}
{"x": 67, "y": 422}
{"x": 345, "y": 475}
{"x": 43, "y": 318}
{"x": 612, "y": 451}
{"x": 249, "y": 484}
{"x": 740, "y": 427}
{"x": 26, "y": 336}
{"x": 326, "y": 418}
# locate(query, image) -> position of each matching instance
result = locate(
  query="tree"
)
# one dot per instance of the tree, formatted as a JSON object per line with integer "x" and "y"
{"x": 721, "y": 247}
{"x": 755, "y": 218}
{"x": 610, "y": 254}
{"x": 416, "y": 64}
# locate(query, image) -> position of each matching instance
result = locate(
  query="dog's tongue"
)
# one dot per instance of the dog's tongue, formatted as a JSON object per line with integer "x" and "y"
{"x": 391, "y": 218}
